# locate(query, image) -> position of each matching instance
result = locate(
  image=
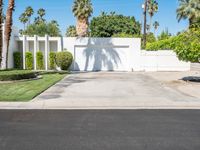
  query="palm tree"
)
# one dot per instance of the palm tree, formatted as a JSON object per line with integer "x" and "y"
{"x": 1, "y": 30}
{"x": 156, "y": 25}
{"x": 8, "y": 27}
{"x": 152, "y": 8}
{"x": 82, "y": 10}
{"x": 29, "y": 12}
{"x": 23, "y": 19}
{"x": 148, "y": 27}
{"x": 41, "y": 12}
{"x": 188, "y": 9}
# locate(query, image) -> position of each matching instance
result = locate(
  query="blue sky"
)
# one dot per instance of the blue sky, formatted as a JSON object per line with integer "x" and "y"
{"x": 60, "y": 10}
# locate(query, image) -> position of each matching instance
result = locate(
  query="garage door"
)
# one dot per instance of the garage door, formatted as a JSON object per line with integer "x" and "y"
{"x": 101, "y": 58}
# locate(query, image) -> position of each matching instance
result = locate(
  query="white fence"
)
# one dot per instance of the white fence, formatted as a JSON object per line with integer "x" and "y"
{"x": 99, "y": 54}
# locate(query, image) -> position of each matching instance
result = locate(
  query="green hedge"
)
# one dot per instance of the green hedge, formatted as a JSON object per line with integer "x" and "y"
{"x": 161, "y": 45}
{"x": 64, "y": 60}
{"x": 52, "y": 60}
{"x": 40, "y": 60}
{"x": 17, "y": 60}
{"x": 10, "y": 75}
{"x": 29, "y": 60}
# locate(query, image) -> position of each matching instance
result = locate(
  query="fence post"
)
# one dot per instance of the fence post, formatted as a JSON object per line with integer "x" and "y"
{"x": 46, "y": 51}
{"x": 24, "y": 52}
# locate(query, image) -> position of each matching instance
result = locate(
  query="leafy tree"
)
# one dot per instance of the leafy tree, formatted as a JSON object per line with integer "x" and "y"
{"x": 71, "y": 31}
{"x": 152, "y": 8}
{"x": 188, "y": 9}
{"x": 1, "y": 29}
{"x": 156, "y": 25}
{"x": 8, "y": 26}
{"x": 107, "y": 25}
{"x": 43, "y": 29}
{"x": 164, "y": 35}
{"x": 23, "y": 19}
{"x": 82, "y": 10}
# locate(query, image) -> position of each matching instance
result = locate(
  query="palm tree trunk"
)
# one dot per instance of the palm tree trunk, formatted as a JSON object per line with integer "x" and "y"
{"x": 1, "y": 30}
{"x": 82, "y": 27}
{"x": 8, "y": 27}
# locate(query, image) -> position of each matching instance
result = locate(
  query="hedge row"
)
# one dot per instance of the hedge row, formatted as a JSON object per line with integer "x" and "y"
{"x": 10, "y": 75}
{"x": 60, "y": 59}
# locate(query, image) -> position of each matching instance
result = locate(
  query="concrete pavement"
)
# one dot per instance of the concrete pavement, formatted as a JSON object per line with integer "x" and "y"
{"x": 111, "y": 90}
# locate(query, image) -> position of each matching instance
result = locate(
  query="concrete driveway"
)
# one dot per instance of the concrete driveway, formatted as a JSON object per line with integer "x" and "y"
{"x": 114, "y": 90}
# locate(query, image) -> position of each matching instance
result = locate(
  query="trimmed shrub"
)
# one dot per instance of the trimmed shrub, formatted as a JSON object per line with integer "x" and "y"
{"x": 160, "y": 45}
{"x": 64, "y": 60}
{"x": 29, "y": 60}
{"x": 40, "y": 60}
{"x": 52, "y": 60}
{"x": 10, "y": 75}
{"x": 17, "y": 60}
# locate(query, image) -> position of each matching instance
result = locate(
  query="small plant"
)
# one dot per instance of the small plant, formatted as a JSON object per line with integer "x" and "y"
{"x": 17, "y": 60}
{"x": 52, "y": 60}
{"x": 64, "y": 60}
{"x": 40, "y": 60}
{"x": 29, "y": 61}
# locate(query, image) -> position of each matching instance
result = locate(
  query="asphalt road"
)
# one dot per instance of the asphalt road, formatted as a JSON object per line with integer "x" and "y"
{"x": 99, "y": 129}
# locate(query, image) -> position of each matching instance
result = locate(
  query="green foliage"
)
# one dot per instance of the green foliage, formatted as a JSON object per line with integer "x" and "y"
{"x": 17, "y": 75}
{"x": 82, "y": 9}
{"x": 164, "y": 35}
{"x": 29, "y": 60}
{"x": 188, "y": 45}
{"x": 71, "y": 31}
{"x": 40, "y": 60}
{"x": 150, "y": 38}
{"x": 108, "y": 25}
{"x": 166, "y": 44}
{"x": 64, "y": 60}
{"x": 52, "y": 60}
{"x": 124, "y": 35}
{"x": 42, "y": 29}
{"x": 188, "y": 9}
{"x": 17, "y": 60}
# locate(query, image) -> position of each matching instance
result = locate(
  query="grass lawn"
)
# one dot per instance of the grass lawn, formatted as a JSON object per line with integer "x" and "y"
{"x": 27, "y": 90}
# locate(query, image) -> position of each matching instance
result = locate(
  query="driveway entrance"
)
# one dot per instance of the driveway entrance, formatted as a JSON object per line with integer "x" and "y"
{"x": 115, "y": 90}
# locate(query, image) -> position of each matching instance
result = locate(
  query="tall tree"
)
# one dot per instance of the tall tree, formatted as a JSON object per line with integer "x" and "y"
{"x": 152, "y": 8}
{"x": 29, "y": 12}
{"x": 23, "y": 19}
{"x": 1, "y": 30}
{"x": 188, "y": 9}
{"x": 156, "y": 25}
{"x": 82, "y": 10}
{"x": 8, "y": 27}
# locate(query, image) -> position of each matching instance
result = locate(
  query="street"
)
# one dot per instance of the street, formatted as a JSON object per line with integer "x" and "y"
{"x": 99, "y": 129}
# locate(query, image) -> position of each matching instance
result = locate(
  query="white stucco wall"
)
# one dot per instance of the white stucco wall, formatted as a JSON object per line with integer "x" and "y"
{"x": 162, "y": 60}
{"x": 102, "y": 54}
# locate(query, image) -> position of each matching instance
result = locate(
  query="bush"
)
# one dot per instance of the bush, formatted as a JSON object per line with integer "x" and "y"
{"x": 161, "y": 45}
{"x": 17, "y": 60}
{"x": 9, "y": 75}
{"x": 64, "y": 60}
{"x": 29, "y": 60}
{"x": 187, "y": 45}
{"x": 40, "y": 60}
{"x": 52, "y": 60}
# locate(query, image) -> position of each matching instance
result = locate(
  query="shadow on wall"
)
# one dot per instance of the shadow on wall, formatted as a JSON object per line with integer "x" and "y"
{"x": 99, "y": 54}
